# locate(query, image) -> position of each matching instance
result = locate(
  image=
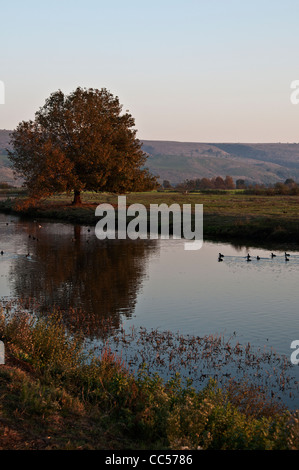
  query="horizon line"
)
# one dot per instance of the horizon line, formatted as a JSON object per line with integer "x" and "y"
{"x": 204, "y": 142}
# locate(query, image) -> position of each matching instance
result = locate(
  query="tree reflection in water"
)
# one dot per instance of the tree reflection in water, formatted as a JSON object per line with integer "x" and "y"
{"x": 92, "y": 282}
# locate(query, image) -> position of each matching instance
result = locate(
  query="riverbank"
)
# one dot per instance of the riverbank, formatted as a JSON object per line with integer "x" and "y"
{"x": 228, "y": 216}
{"x": 55, "y": 397}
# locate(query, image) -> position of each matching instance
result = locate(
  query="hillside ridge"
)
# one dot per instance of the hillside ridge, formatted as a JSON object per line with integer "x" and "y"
{"x": 175, "y": 161}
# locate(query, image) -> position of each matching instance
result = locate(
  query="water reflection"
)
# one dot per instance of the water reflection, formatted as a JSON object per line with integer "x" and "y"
{"x": 88, "y": 279}
{"x": 160, "y": 284}
{"x": 157, "y": 286}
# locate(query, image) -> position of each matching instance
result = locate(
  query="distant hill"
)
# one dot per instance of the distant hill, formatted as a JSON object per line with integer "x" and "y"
{"x": 177, "y": 161}
{"x": 6, "y": 173}
{"x": 4, "y": 140}
{"x": 261, "y": 163}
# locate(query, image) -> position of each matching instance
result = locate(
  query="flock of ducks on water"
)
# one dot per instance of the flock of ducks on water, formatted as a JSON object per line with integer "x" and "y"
{"x": 220, "y": 256}
{"x": 248, "y": 257}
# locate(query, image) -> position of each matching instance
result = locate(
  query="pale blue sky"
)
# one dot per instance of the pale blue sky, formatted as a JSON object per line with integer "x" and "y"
{"x": 188, "y": 70}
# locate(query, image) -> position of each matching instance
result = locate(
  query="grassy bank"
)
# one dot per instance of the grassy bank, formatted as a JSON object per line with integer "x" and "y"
{"x": 55, "y": 397}
{"x": 227, "y": 216}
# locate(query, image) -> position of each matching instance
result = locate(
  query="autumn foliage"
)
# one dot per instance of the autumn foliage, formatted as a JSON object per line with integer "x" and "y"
{"x": 81, "y": 141}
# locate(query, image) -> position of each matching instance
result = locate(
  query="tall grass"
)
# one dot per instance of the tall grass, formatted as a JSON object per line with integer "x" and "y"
{"x": 138, "y": 411}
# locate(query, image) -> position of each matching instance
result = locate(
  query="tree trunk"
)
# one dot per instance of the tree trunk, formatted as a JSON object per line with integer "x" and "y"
{"x": 77, "y": 198}
{"x": 77, "y": 235}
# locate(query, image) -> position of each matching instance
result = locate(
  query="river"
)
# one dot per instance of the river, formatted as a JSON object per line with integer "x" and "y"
{"x": 152, "y": 285}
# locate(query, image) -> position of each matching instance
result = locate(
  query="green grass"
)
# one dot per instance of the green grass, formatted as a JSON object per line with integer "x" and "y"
{"x": 53, "y": 396}
{"x": 228, "y": 215}
{"x": 232, "y": 203}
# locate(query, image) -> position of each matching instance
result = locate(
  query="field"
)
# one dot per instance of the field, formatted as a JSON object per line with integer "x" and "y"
{"x": 229, "y": 215}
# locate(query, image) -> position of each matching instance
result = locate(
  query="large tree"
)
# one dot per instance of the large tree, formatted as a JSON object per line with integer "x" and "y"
{"x": 80, "y": 141}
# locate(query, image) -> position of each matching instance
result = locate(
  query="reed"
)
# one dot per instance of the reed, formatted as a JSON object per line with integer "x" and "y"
{"x": 54, "y": 395}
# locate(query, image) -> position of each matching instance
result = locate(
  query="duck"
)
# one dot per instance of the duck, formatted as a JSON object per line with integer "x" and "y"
{"x": 221, "y": 255}
{"x": 258, "y": 258}
{"x": 287, "y": 259}
{"x": 2, "y": 252}
{"x": 273, "y": 255}
{"x": 220, "y": 259}
{"x": 286, "y": 254}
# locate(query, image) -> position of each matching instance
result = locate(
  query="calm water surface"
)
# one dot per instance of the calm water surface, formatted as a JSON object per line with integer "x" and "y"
{"x": 153, "y": 284}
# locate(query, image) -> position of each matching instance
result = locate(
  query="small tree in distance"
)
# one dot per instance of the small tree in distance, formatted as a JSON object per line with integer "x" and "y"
{"x": 240, "y": 184}
{"x": 77, "y": 142}
{"x": 166, "y": 184}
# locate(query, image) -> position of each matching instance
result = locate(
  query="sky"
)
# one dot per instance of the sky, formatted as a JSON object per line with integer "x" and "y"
{"x": 187, "y": 70}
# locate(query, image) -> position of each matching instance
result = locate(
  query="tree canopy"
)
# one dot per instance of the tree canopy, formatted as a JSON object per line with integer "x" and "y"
{"x": 80, "y": 141}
